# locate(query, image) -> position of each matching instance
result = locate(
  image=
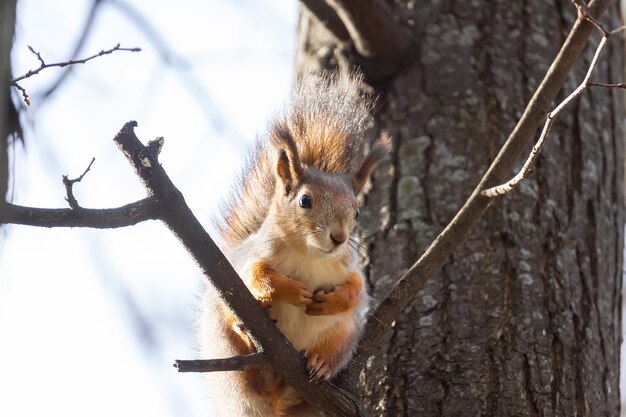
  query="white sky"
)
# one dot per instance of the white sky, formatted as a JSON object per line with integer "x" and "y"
{"x": 91, "y": 321}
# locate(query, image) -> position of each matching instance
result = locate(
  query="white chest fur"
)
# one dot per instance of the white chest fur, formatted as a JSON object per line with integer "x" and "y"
{"x": 317, "y": 271}
{"x": 304, "y": 330}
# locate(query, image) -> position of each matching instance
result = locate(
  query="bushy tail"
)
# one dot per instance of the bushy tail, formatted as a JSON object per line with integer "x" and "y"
{"x": 328, "y": 117}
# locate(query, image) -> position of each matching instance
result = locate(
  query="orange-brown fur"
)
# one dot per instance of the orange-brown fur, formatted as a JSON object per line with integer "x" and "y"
{"x": 268, "y": 285}
{"x": 342, "y": 298}
{"x": 241, "y": 343}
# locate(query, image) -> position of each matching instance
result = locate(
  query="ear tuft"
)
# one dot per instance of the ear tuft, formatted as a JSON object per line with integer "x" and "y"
{"x": 288, "y": 166}
{"x": 379, "y": 150}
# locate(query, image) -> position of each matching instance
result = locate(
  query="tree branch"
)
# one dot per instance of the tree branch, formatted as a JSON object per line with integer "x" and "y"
{"x": 235, "y": 363}
{"x": 43, "y": 65}
{"x": 177, "y": 216}
{"x": 458, "y": 228}
{"x": 605, "y": 85}
{"x": 69, "y": 184}
{"x": 545, "y": 132}
{"x": 128, "y": 215}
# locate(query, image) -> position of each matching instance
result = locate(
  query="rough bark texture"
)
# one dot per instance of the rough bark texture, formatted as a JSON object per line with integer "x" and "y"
{"x": 525, "y": 319}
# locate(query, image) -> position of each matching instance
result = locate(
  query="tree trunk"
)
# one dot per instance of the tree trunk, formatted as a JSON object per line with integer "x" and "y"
{"x": 525, "y": 318}
{"x": 7, "y": 26}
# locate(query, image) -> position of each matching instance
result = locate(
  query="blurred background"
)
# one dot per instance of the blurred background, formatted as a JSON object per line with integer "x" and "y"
{"x": 91, "y": 321}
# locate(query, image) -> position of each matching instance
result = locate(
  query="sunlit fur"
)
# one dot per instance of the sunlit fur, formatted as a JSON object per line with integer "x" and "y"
{"x": 329, "y": 119}
{"x": 314, "y": 149}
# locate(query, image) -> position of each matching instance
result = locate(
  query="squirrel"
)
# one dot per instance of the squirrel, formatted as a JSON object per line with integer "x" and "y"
{"x": 287, "y": 229}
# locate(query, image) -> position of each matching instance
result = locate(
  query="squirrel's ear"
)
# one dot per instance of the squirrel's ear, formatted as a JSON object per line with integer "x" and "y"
{"x": 288, "y": 166}
{"x": 381, "y": 147}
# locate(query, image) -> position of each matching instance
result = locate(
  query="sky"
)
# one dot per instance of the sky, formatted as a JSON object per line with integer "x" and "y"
{"x": 91, "y": 321}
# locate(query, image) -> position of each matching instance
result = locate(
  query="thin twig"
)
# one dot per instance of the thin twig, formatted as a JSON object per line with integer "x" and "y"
{"x": 70, "y": 183}
{"x": 37, "y": 54}
{"x": 618, "y": 30}
{"x": 584, "y": 85}
{"x": 583, "y": 12}
{"x": 44, "y": 65}
{"x": 605, "y": 85}
{"x": 534, "y": 153}
{"x": 25, "y": 95}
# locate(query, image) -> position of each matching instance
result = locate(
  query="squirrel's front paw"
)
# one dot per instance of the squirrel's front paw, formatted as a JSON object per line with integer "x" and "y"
{"x": 295, "y": 293}
{"x": 328, "y": 303}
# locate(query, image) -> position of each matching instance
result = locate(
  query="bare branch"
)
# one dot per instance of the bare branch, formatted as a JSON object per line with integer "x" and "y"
{"x": 583, "y": 12}
{"x": 44, "y": 65}
{"x": 605, "y": 85}
{"x": 618, "y": 30}
{"x": 235, "y": 363}
{"x": 70, "y": 183}
{"x": 37, "y": 54}
{"x": 25, "y": 95}
{"x": 111, "y": 218}
{"x": 458, "y": 228}
{"x": 534, "y": 153}
{"x": 584, "y": 85}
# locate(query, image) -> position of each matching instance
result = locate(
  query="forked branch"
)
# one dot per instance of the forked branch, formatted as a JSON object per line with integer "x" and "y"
{"x": 550, "y": 118}
{"x": 455, "y": 232}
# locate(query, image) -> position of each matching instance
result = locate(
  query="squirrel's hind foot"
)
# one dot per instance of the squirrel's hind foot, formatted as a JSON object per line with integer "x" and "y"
{"x": 318, "y": 368}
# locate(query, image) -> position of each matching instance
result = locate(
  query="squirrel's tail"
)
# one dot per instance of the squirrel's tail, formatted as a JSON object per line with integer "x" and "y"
{"x": 328, "y": 118}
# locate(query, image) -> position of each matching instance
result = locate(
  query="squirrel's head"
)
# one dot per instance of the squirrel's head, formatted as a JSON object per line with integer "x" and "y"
{"x": 317, "y": 210}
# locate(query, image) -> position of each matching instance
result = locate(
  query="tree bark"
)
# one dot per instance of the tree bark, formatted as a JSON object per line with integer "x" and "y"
{"x": 525, "y": 318}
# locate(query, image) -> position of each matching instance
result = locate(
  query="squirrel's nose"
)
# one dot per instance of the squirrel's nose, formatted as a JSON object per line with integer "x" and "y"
{"x": 337, "y": 240}
{"x": 338, "y": 235}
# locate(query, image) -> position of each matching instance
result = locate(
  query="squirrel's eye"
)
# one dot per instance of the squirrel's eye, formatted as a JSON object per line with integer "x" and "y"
{"x": 358, "y": 212}
{"x": 306, "y": 201}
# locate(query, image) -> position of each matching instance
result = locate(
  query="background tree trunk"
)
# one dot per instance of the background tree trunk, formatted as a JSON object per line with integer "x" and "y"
{"x": 525, "y": 318}
{"x": 7, "y": 26}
